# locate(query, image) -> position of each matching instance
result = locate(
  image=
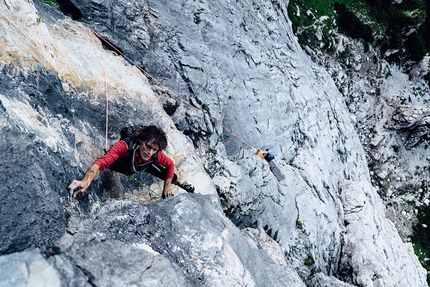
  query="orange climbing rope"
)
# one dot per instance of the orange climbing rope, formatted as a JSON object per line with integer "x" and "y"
{"x": 106, "y": 87}
{"x": 170, "y": 91}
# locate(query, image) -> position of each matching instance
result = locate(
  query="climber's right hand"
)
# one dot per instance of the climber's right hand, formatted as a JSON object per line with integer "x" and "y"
{"x": 76, "y": 187}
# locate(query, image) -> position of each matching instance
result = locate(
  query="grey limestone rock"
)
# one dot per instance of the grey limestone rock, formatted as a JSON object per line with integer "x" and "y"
{"x": 240, "y": 63}
{"x": 414, "y": 121}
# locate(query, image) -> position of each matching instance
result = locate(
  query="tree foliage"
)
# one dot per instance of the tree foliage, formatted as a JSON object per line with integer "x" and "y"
{"x": 401, "y": 28}
{"x": 51, "y": 2}
{"x": 351, "y": 25}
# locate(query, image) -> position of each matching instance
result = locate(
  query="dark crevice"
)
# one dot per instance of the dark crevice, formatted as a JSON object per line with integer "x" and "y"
{"x": 107, "y": 45}
{"x": 170, "y": 108}
{"x": 69, "y": 9}
{"x": 89, "y": 275}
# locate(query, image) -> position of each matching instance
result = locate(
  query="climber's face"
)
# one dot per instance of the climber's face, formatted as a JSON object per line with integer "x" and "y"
{"x": 147, "y": 149}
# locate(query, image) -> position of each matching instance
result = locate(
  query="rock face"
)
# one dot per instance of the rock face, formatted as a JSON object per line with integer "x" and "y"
{"x": 412, "y": 120}
{"x": 89, "y": 264}
{"x": 322, "y": 225}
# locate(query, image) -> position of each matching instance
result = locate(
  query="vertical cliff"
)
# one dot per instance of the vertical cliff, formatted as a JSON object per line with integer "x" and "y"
{"x": 239, "y": 63}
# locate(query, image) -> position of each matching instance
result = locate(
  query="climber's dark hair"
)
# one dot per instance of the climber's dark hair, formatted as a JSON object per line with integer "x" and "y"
{"x": 153, "y": 133}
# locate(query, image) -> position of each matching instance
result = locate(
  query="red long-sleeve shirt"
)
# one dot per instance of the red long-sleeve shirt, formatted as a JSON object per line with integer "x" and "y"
{"x": 119, "y": 150}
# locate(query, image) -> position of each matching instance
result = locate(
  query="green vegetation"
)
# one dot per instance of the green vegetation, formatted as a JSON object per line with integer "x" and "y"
{"x": 213, "y": 151}
{"x": 401, "y": 28}
{"x": 44, "y": 101}
{"x": 53, "y": 3}
{"x": 405, "y": 189}
{"x": 307, "y": 16}
{"x": 309, "y": 261}
{"x": 350, "y": 24}
{"x": 205, "y": 107}
{"x": 154, "y": 231}
{"x": 421, "y": 237}
{"x": 400, "y": 20}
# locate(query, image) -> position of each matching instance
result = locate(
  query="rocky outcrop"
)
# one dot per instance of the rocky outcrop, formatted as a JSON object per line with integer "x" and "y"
{"x": 412, "y": 120}
{"x": 193, "y": 232}
{"x": 241, "y": 64}
{"x": 90, "y": 265}
{"x": 420, "y": 69}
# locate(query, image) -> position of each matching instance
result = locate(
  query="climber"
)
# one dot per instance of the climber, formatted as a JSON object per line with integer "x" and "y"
{"x": 141, "y": 151}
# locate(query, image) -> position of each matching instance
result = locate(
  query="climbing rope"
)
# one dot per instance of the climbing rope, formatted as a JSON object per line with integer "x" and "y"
{"x": 144, "y": 185}
{"x": 170, "y": 91}
{"x": 106, "y": 87}
{"x": 91, "y": 31}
